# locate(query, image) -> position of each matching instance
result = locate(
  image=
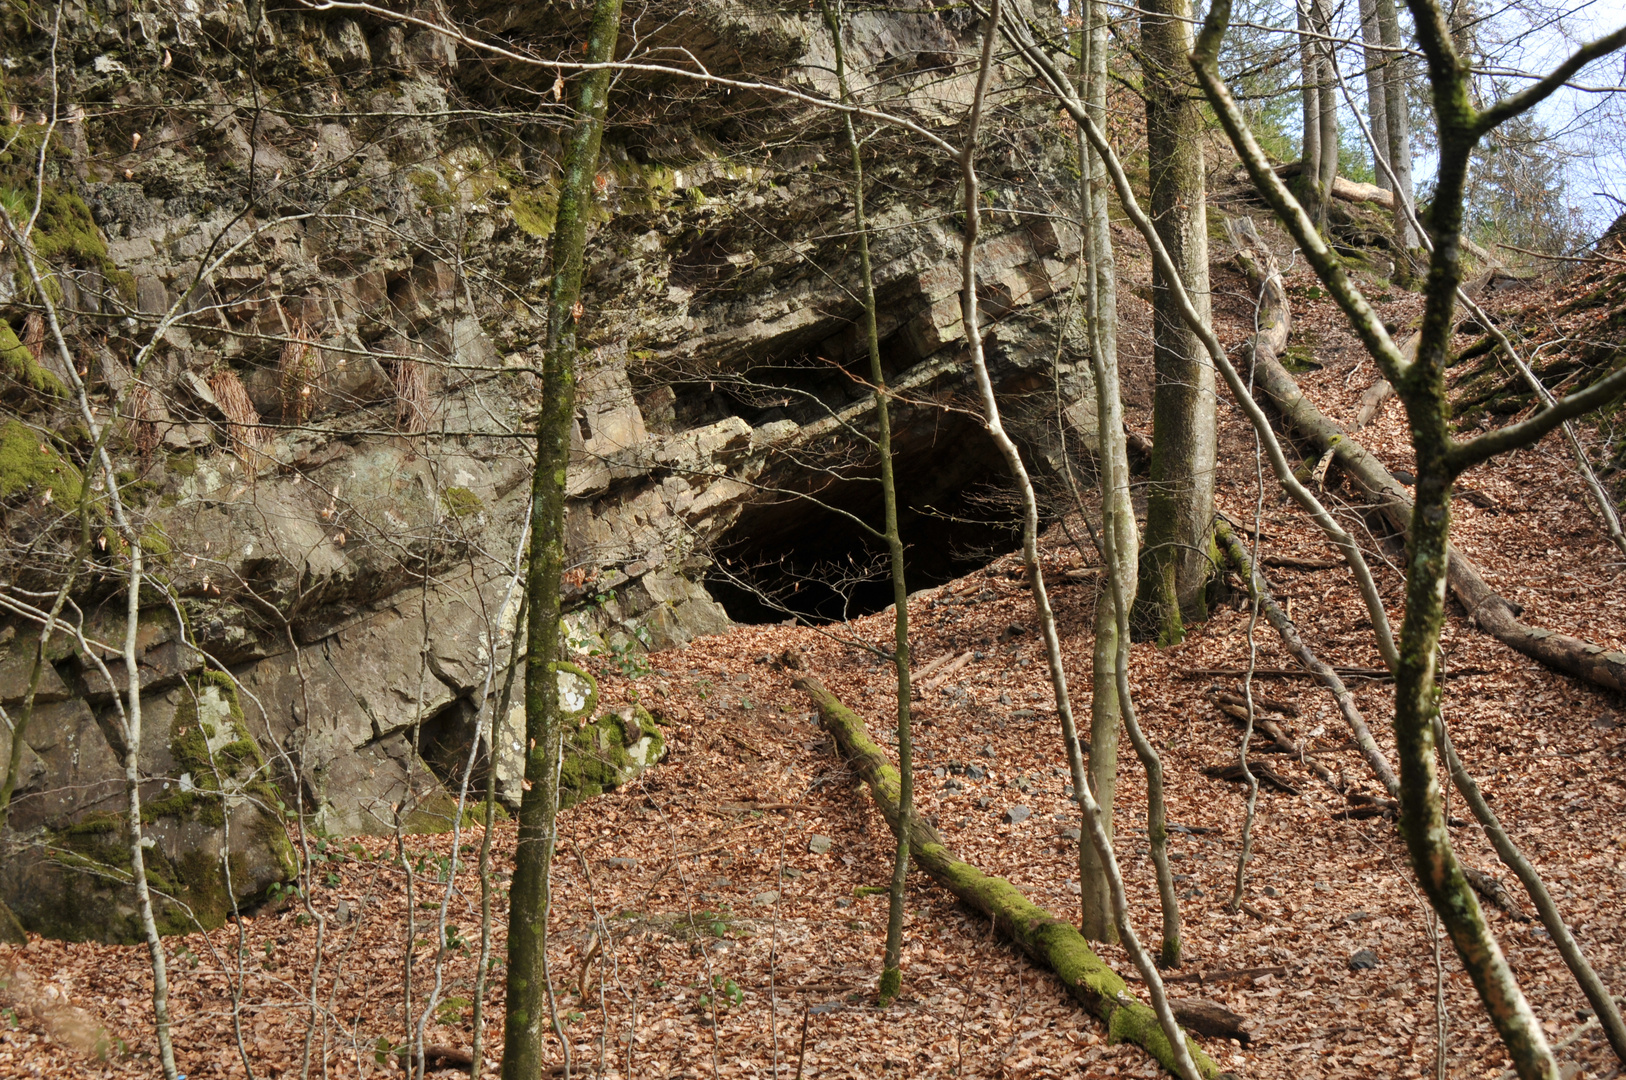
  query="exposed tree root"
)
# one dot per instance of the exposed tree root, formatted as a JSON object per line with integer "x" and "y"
{"x": 1050, "y": 941}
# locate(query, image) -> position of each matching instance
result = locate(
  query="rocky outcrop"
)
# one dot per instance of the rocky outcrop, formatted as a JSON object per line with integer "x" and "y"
{"x": 302, "y": 253}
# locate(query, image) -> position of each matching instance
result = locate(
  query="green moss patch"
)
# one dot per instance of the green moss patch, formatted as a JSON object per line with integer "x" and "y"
{"x": 460, "y": 502}
{"x": 607, "y": 753}
{"x": 66, "y": 232}
{"x": 29, "y": 464}
{"x": 18, "y": 364}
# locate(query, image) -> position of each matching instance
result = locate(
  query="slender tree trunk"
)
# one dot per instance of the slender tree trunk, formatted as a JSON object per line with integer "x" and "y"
{"x": 1310, "y": 100}
{"x": 970, "y": 317}
{"x": 1327, "y": 88}
{"x": 528, "y": 992}
{"x": 1095, "y": 896}
{"x": 1176, "y": 559}
{"x": 1397, "y": 124}
{"x": 1376, "y": 87}
{"x": 891, "y": 970}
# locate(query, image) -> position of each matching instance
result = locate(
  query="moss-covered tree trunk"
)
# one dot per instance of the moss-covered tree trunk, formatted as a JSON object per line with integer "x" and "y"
{"x": 1175, "y": 560}
{"x": 527, "y": 990}
{"x": 1048, "y": 940}
{"x": 891, "y": 968}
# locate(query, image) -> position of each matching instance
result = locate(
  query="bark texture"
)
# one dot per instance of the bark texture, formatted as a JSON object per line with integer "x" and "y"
{"x": 1176, "y": 559}
{"x": 1376, "y": 85}
{"x": 1095, "y": 899}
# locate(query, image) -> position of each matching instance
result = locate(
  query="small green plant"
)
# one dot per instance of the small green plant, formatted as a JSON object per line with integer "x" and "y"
{"x": 629, "y": 655}
{"x": 726, "y": 992}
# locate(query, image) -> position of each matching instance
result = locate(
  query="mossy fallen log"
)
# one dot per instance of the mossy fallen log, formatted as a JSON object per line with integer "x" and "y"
{"x": 1052, "y": 942}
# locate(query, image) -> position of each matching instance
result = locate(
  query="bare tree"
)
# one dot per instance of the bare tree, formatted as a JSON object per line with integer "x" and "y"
{"x": 1441, "y": 458}
{"x": 529, "y": 988}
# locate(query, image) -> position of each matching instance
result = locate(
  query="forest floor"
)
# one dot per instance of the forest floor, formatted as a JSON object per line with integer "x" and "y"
{"x": 724, "y": 882}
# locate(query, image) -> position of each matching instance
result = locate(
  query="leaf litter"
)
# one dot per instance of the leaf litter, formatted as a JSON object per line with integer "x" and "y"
{"x": 709, "y": 933}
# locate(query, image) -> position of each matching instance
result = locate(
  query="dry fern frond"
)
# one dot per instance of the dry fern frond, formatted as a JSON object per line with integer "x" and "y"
{"x": 144, "y": 415}
{"x": 242, "y": 419}
{"x": 34, "y": 333}
{"x": 412, "y": 404}
{"x": 297, "y": 367}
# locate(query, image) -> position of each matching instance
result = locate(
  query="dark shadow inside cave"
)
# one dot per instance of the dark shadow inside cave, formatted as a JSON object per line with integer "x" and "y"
{"x": 790, "y": 555}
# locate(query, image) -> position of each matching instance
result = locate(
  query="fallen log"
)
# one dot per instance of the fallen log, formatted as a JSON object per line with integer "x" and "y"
{"x": 1282, "y": 707}
{"x": 1052, "y": 942}
{"x": 1486, "y": 609}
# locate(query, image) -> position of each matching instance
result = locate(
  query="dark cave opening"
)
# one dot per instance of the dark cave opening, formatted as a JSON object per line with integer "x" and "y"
{"x": 790, "y": 555}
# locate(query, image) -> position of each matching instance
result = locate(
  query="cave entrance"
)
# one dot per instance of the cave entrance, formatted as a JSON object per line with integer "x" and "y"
{"x": 788, "y": 555}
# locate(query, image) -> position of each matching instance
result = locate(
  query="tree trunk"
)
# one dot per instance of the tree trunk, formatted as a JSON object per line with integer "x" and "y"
{"x": 1310, "y": 120}
{"x": 1327, "y": 87}
{"x": 1377, "y": 113}
{"x": 1176, "y": 559}
{"x": 1046, "y": 939}
{"x": 891, "y": 968}
{"x": 1095, "y": 900}
{"x": 528, "y": 992}
{"x": 1397, "y": 126}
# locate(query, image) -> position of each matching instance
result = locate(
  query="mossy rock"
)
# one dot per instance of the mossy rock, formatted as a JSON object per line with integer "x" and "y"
{"x": 65, "y": 232}
{"x": 30, "y": 465}
{"x": 216, "y": 829}
{"x": 18, "y": 365}
{"x": 609, "y": 752}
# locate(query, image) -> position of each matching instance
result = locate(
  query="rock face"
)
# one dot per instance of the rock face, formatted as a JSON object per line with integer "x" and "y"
{"x": 299, "y": 261}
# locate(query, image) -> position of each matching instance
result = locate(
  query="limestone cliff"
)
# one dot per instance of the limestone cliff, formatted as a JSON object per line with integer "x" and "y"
{"x": 297, "y": 259}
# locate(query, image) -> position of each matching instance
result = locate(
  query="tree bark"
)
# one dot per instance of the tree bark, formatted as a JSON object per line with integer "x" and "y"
{"x": 1177, "y": 556}
{"x": 1046, "y": 939}
{"x": 1376, "y": 86}
{"x": 1310, "y": 99}
{"x": 1327, "y": 88}
{"x": 1095, "y": 899}
{"x": 891, "y": 968}
{"x": 1397, "y": 122}
{"x": 528, "y": 992}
